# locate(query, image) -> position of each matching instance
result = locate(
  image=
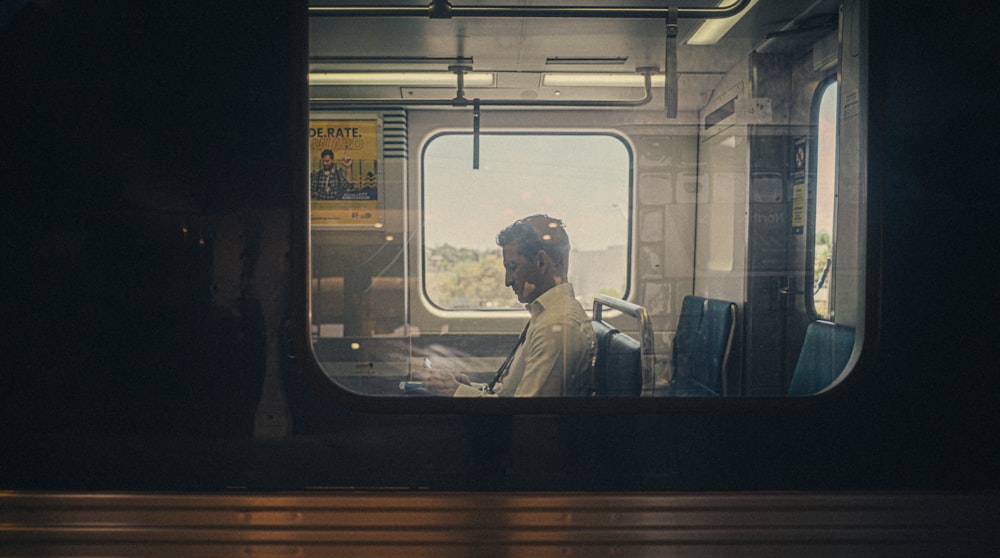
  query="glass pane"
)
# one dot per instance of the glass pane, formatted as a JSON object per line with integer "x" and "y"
{"x": 704, "y": 205}
{"x": 826, "y": 180}
{"x": 582, "y": 179}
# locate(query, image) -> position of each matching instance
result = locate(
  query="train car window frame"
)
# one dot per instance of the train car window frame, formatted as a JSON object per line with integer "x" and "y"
{"x": 527, "y": 203}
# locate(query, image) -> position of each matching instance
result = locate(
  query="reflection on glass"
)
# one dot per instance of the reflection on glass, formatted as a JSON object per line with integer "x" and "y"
{"x": 712, "y": 212}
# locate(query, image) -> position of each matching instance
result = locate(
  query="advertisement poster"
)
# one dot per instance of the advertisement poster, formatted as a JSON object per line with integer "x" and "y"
{"x": 343, "y": 173}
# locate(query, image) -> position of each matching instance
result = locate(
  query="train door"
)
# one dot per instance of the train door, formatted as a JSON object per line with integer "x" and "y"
{"x": 787, "y": 78}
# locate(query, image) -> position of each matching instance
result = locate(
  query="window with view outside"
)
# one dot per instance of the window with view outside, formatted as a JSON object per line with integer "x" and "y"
{"x": 583, "y": 179}
{"x": 826, "y": 175}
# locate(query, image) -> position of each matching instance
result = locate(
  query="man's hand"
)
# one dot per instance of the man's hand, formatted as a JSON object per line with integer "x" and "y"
{"x": 440, "y": 382}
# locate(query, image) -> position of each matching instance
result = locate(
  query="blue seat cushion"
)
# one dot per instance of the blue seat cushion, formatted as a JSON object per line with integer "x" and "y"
{"x": 618, "y": 368}
{"x": 825, "y": 352}
{"x": 701, "y": 346}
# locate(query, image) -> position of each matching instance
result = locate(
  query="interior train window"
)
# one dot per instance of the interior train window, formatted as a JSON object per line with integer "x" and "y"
{"x": 825, "y": 199}
{"x": 583, "y": 179}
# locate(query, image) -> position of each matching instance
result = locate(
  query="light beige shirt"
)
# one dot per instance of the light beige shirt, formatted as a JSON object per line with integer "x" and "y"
{"x": 557, "y": 354}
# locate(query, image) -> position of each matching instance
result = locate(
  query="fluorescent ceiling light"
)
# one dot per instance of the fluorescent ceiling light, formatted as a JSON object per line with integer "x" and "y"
{"x": 599, "y": 80}
{"x": 416, "y": 79}
{"x": 712, "y": 30}
{"x": 369, "y": 60}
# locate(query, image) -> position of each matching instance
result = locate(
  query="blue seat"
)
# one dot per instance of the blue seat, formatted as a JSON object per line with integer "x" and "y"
{"x": 824, "y": 355}
{"x": 701, "y": 347}
{"x": 618, "y": 363}
{"x": 623, "y": 366}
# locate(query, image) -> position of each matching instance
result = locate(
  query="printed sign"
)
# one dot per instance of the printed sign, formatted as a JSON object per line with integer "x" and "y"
{"x": 343, "y": 177}
{"x": 800, "y": 166}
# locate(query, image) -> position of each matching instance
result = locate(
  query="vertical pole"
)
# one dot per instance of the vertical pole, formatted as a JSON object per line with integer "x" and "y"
{"x": 670, "y": 77}
{"x": 475, "y": 134}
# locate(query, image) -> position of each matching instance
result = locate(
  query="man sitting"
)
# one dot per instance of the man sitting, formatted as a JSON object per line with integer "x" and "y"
{"x": 555, "y": 352}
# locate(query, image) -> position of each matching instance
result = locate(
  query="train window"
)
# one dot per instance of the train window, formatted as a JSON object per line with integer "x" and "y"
{"x": 584, "y": 179}
{"x": 824, "y": 201}
{"x": 729, "y": 205}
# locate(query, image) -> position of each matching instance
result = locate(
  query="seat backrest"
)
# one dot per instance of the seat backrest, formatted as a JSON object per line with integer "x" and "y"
{"x": 824, "y": 355}
{"x": 617, "y": 369}
{"x": 703, "y": 340}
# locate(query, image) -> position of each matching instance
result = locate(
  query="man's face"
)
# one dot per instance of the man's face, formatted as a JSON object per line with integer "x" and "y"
{"x": 521, "y": 273}
{"x": 327, "y": 162}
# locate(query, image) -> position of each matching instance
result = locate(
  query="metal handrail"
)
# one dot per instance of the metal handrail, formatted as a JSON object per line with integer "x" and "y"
{"x": 441, "y": 9}
{"x": 646, "y": 349}
{"x": 320, "y": 103}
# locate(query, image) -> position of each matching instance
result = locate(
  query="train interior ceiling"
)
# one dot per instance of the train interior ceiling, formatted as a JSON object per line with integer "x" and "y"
{"x": 688, "y": 170}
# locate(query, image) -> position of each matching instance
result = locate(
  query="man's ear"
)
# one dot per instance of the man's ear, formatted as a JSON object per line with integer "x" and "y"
{"x": 543, "y": 259}
{"x": 547, "y": 267}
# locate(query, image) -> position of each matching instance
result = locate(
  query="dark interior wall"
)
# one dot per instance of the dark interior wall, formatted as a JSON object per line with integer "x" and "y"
{"x": 146, "y": 176}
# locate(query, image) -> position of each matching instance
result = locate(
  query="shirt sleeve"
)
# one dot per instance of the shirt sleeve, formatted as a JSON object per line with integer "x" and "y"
{"x": 475, "y": 390}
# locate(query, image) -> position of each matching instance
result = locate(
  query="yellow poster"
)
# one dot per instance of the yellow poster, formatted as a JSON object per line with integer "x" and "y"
{"x": 343, "y": 174}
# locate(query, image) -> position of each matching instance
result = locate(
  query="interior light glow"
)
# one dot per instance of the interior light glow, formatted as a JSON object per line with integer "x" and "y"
{"x": 599, "y": 80}
{"x": 712, "y": 30}
{"x": 415, "y": 79}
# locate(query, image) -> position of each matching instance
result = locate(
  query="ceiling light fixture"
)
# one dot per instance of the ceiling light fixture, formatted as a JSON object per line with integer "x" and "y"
{"x": 711, "y": 31}
{"x": 599, "y": 80}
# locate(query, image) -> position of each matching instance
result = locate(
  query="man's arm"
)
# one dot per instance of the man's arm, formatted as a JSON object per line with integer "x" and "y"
{"x": 348, "y": 170}
{"x": 544, "y": 362}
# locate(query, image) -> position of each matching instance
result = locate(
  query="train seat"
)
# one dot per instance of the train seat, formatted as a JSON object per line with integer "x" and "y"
{"x": 623, "y": 366}
{"x": 701, "y": 347}
{"x": 824, "y": 355}
{"x": 617, "y": 364}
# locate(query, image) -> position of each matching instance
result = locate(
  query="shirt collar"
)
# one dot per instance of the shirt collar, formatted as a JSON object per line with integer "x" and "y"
{"x": 560, "y": 291}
